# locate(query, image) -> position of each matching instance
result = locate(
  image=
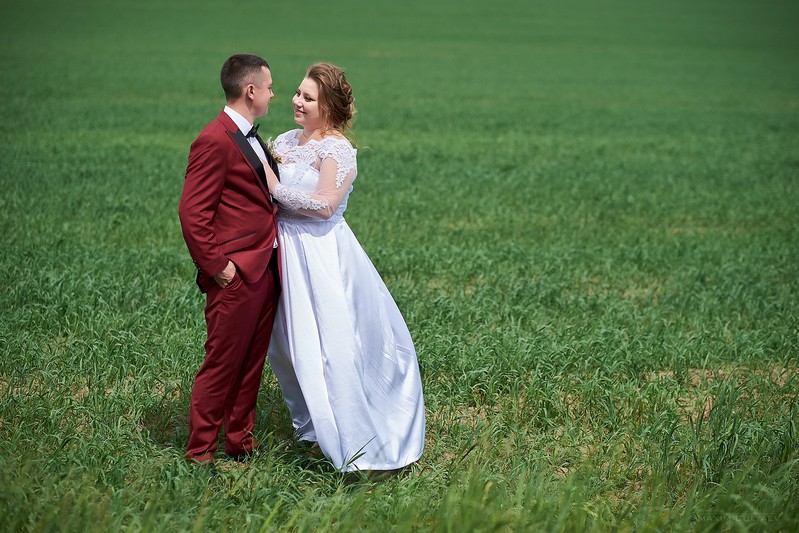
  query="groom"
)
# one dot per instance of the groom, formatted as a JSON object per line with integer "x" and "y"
{"x": 228, "y": 222}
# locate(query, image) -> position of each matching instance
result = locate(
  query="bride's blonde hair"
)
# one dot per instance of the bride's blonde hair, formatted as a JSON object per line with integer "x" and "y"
{"x": 335, "y": 95}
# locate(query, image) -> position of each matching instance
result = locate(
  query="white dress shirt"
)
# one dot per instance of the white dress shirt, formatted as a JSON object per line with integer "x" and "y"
{"x": 245, "y": 127}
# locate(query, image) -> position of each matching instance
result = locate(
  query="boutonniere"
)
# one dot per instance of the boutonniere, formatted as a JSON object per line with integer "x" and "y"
{"x": 270, "y": 145}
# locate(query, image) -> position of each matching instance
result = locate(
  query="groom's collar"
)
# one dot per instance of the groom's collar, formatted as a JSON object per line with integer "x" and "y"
{"x": 242, "y": 123}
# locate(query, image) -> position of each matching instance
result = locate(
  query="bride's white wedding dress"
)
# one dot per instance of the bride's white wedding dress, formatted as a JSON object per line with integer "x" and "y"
{"x": 340, "y": 348}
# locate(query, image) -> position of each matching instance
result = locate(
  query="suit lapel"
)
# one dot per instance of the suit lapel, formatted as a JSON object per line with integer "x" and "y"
{"x": 246, "y": 149}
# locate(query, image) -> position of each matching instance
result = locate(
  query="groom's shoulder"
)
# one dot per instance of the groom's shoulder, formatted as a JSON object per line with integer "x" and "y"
{"x": 219, "y": 124}
{"x": 212, "y": 137}
{"x": 215, "y": 128}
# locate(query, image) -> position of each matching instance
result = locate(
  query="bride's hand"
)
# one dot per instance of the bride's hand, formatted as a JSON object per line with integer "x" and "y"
{"x": 271, "y": 178}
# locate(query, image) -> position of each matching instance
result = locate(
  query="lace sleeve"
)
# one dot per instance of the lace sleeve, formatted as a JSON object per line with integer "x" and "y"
{"x": 337, "y": 170}
{"x": 342, "y": 152}
{"x": 295, "y": 200}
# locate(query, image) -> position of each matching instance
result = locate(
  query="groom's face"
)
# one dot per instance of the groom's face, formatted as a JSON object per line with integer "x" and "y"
{"x": 262, "y": 93}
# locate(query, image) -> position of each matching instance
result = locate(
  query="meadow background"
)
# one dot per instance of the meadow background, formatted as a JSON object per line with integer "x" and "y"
{"x": 587, "y": 211}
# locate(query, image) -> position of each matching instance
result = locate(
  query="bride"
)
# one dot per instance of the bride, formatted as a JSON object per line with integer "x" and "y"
{"x": 340, "y": 348}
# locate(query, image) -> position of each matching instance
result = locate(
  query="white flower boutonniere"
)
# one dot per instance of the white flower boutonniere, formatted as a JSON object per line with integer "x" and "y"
{"x": 270, "y": 145}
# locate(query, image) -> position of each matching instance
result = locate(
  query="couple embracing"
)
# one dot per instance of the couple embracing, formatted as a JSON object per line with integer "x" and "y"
{"x": 284, "y": 275}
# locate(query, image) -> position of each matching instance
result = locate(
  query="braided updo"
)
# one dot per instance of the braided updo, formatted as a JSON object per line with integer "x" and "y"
{"x": 335, "y": 95}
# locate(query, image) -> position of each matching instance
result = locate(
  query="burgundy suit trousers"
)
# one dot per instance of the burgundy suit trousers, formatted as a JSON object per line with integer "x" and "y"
{"x": 239, "y": 320}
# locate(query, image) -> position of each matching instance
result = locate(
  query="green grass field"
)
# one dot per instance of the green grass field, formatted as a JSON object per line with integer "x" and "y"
{"x": 587, "y": 212}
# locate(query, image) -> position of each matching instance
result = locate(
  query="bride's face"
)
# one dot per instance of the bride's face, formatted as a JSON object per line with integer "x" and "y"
{"x": 306, "y": 106}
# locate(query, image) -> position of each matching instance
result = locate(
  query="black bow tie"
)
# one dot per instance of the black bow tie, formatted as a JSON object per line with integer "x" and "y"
{"x": 253, "y": 131}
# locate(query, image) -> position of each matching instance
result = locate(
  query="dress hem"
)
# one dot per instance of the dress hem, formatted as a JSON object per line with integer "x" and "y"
{"x": 381, "y": 468}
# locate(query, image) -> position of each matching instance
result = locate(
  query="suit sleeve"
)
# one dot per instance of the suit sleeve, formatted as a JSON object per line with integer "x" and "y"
{"x": 202, "y": 190}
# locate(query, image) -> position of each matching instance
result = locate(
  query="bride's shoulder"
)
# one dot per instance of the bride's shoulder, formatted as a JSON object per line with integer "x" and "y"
{"x": 337, "y": 140}
{"x": 338, "y": 148}
{"x": 288, "y": 138}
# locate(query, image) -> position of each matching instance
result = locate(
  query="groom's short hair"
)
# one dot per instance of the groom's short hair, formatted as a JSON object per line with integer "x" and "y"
{"x": 238, "y": 71}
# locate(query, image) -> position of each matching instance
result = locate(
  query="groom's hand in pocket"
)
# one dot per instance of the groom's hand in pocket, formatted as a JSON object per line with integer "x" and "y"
{"x": 224, "y": 278}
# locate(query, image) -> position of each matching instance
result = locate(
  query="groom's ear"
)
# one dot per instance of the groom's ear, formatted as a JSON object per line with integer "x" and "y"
{"x": 249, "y": 91}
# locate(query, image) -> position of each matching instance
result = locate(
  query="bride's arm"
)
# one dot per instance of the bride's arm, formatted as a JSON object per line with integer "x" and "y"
{"x": 323, "y": 202}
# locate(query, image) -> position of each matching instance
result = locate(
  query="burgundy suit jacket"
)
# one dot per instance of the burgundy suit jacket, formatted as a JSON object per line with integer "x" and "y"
{"x": 226, "y": 211}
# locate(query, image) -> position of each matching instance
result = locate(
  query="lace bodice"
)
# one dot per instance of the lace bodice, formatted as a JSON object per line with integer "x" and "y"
{"x": 315, "y": 178}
